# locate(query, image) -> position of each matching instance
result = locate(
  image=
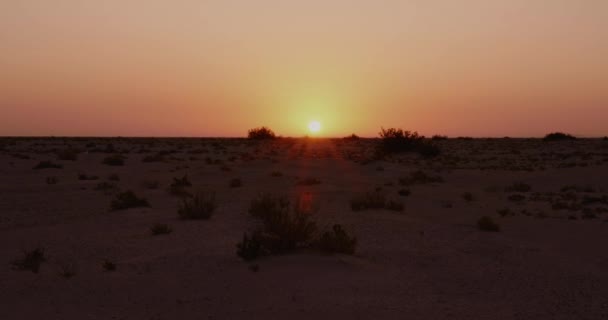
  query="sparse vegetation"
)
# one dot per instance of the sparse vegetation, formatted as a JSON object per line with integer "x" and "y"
{"x": 403, "y": 141}
{"x": 31, "y": 260}
{"x": 51, "y": 180}
{"x": 486, "y": 223}
{"x": 67, "y": 154}
{"x": 114, "y": 160}
{"x": 261, "y": 133}
{"x": 47, "y": 165}
{"x": 558, "y": 136}
{"x": 468, "y": 197}
{"x": 518, "y": 187}
{"x": 108, "y": 265}
{"x": 160, "y": 228}
{"x": 419, "y": 177}
{"x": 127, "y": 200}
{"x": 68, "y": 269}
{"x": 199, "y": 207}
{"x": 337, "y": 241}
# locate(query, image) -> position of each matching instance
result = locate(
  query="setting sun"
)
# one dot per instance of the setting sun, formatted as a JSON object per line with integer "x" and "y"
{"x": 314, "y": 126}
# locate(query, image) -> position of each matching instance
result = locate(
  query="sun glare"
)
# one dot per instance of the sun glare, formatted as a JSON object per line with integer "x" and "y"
{"x": 314, "y": 126}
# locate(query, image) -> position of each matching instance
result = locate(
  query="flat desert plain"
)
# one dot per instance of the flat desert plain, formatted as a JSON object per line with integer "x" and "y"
{"x": 542, "y": 252}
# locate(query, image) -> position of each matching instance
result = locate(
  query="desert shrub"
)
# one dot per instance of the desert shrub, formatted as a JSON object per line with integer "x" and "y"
{"x": 439, "y": 137}
{"x": 108, "y": 265}
{"x": 150, "y": 184}
{"x": 30, "y": 261}
{"x": 160, "y": 228}
{"x": 605, "y": 138}
{"x": 404, "y": 192}
{"x": 467, "y": 196}
{"x": 308, "y": 181}
{"x": 400, "y": 141}
{"x": 179, "y": 185}
{"x": 153, "y": 158}
{"x": 505, "y": 212}
{"x": 47, "y": 165}
{"x": 181, "y": 182}
{"x": 367, "y": 201}
{"x": 114, "y": 160}
{"x": 516, "y": 197}
{"x": 82, "y": 176}
{"x": 518, "y": 187}
{"x": 352, "y": 137}
{"x": 261, "y": 133}
{"x": 68, "y": 269}
{"x": 114, "y": 177}
{"x": 337, "y": 241}
{"x": 236, "y": 183}
{"x": 558, "y": 136}
{"x": 67, "y": 154}
{"x": 394, "y": 205}
{"x": 105, "y": 186}
{"x": 250, "y": 248}
{"x": 51, "y": 180}
{"x": 486, "y": 223}
{"x": 283, "y": 230}
{"x": 199, "y": 207}
{"x": 419, "y": 177}
{"x": 127, "y": 200}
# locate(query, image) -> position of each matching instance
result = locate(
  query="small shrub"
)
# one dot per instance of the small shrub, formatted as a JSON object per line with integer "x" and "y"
{"x": 468, "y": 197}
{"x": 114, "y": 160}
{"x": 308, "y": 182}
{"x": 51, "y": 180}
{"x": 105, "y": 186}
{"x": 404, "y": 192}
{"x": 236, "y": 183}
{"x": 31, "y": 260}
{"x": 160, "y": 228}
{"x": 127, "y": 200}
{"x": 402, "y": 141}
{"x": 250, "y": 248}
{"x": 516, "y": 197}
{"x": 505, "y": 212}
{"x": 68, "y": 269}
{"x": 419, "y": 177}
{"x": 367, "y": 201}
{"x": 486, "y": 223}
{"x": 352, "y": 137}
{"x": 82, "y": 176}
{"x": 558, "y": 136}
{"x": 394, "y": 206}
{"x": 114, "y": 177}
{"x": 47, "y": 165}
{"x": 67, "y": 154}
{"x": 150, "y": 184}
{"x": 199, "y": 207}
{"x": 337, "y": 241}
{"x": 108, "y": 265}
{"x": 153, "y": 158}
{"x": 439, "y": 137}
{"x": 261, "y": 133}
{"x": 518, "y": 187}
{"x": 179, "y": 185}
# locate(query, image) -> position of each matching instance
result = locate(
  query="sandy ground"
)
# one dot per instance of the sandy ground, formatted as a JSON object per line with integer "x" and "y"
{"x": 430, "y": 261}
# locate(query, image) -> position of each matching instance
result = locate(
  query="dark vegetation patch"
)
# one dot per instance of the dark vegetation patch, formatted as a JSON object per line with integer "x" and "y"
{"x": 420, "y": 177}
{"x": 160, "y": 228}
{"x": 518, "y": 187}
{"x": 30, "y": 261}
{"x": 486, "y": 223}
{"x": 199, "y": 207}
{"x": 261, "y": 133}
{"x": 127, "y": 200}
{"x": 47, "y": 165}
{"x": 114, "y": 160}
{"x": 394, "y": 140}
{"x": 558, "y": 136}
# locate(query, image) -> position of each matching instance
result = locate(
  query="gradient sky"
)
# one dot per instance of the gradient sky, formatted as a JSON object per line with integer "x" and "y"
{"x": 219, "y": 67}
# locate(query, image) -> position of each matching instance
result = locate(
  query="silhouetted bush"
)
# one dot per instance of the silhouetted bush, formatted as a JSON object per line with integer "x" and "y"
{"x": 337, "y": 241}
{"x": 261, "y": 133}
{"x": 114, "y": 160}
{"x": 67, "y": 154}
{"x": 160, "y": 228}
{"x": 518, "y": 187}
{"x": 31, "y": 260}
{"x": 486, "y": 223}
{"x": 558, "y": 136}
{"x": 352, "y": 137}
{"x": 47, "y": 165}
{"x": 199, "y": 207}
{"x": 419, "y": 177}
{"x": 368, "y": 200}
{"x": 400, "y": 141}
{"x": 439, "y": 137}
{"x": 127, "y": 200}
{"x": 250, "y": 248}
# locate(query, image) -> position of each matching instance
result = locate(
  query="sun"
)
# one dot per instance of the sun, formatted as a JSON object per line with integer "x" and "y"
{"x": 314, "y": 126}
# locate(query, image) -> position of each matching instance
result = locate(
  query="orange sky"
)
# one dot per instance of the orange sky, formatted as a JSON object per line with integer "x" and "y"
{"x": 217, "y": 68}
